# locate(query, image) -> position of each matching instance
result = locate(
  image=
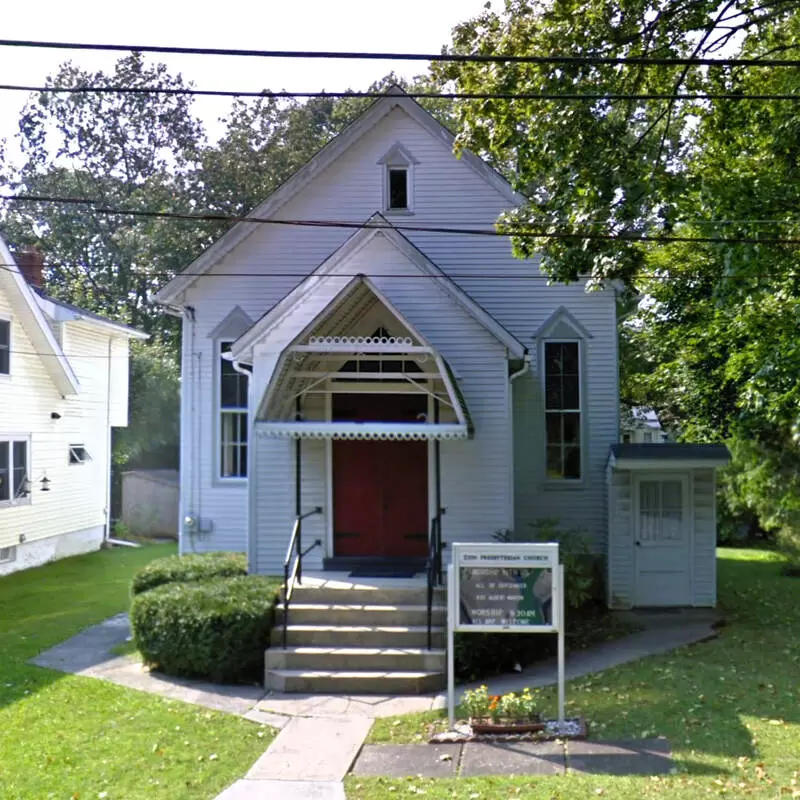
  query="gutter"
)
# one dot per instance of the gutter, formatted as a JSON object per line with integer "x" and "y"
{"x": 526, "y": 365}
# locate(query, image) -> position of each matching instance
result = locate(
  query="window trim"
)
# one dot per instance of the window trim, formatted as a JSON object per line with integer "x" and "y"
{"x": 397, "y": 157}
{"x": 10, "y": 321}
{"x": 565, "y": 483}
{"x": 25, "y": 499}
{"x": 218, "y": 478}
{"x": 78, "y": 459}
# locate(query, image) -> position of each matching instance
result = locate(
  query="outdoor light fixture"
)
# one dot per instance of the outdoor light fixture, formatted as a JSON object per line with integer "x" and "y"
{"x": 45, "y": 484}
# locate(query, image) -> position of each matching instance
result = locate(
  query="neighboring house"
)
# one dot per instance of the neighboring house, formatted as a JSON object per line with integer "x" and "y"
{"x": 63, "y": 387}
{"x": 382, "y": 372}
{"x": 642, "y": 426}
{"x": 150, "y": 502}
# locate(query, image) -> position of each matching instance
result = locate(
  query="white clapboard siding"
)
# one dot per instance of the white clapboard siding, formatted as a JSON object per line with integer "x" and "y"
{"x": 77, "y": 497}
{"x": 621, "y": 556}
{"x": 705, "y": 537}
{"x": 448, "y": 192}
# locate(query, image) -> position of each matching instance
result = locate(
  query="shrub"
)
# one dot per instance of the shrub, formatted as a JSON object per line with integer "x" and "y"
{"x": 188, "y": 569}
{"x": 215, "y": 629}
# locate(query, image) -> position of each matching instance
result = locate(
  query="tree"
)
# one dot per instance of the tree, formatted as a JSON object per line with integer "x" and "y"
{"x": 712, "y": 341}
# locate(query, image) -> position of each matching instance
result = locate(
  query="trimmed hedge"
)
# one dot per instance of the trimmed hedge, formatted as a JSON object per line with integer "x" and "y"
{"x": 188, "y": 569}
{"x": 216, "y": 629}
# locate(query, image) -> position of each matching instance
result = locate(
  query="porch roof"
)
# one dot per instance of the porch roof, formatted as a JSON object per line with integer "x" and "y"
{"x": 323, "y": 361}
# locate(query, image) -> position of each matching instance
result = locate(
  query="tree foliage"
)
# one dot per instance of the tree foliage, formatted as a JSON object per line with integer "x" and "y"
{"x": 710, "y": 337}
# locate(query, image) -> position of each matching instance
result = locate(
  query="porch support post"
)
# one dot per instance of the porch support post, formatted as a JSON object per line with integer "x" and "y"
{"x": 298, "y": 496}
{"x": 437, "y": 472}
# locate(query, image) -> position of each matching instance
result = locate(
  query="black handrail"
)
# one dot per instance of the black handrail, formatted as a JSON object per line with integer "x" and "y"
{"x": 434, "y": 568}
{"x": 293, "y": 563}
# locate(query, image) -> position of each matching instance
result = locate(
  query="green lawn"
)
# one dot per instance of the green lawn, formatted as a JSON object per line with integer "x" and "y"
{"x": 730, "y": 707}
{"x": 76, "y": 738}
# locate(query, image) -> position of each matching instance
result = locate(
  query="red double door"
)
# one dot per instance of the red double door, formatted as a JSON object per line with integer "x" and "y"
{"x": 380, "y": 487}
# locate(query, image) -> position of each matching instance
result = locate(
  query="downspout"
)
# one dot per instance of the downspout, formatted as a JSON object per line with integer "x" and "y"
{"x": 526, "y": 365}
{"x": 107, "y": 531}
{"x": 251, "y": 444}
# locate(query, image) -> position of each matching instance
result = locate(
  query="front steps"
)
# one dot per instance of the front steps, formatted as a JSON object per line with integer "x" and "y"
{"x": 358, "y": 637}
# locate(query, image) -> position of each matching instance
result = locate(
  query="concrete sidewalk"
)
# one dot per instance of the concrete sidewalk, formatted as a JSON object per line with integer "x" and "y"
{"x": 321, "y": 735}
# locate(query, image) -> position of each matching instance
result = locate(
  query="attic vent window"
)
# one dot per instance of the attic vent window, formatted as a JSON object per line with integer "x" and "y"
{"x": 398, "y": 179}
{"x": 398, "y": 188}
{"x": 78, "y": 454}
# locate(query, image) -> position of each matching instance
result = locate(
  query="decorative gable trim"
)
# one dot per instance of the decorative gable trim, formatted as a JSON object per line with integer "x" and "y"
{"x": 561, "y": 316}
{"x": 358, "y": 240}
{"x": 233, "y": 326}
{"x": 398, "y": 156}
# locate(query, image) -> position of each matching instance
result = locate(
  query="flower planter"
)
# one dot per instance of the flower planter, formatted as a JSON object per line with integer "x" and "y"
{"x": 488, "y": 725}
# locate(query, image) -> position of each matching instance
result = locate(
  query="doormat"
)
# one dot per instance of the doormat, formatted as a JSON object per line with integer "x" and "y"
{"x": 383, "y": 572}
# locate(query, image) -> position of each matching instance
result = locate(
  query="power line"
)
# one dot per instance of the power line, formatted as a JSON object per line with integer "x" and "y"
{"x": 523, "y": 233}
{"x": 488, "y": 58}
{"x": 447, "y": 277}
{"x": 417, "y": 95}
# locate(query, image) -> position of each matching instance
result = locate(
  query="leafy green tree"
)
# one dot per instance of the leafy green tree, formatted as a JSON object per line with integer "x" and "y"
{"x": 711, "y": 339}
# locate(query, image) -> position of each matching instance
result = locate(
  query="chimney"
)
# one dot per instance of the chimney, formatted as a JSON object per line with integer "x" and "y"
{"x": 30, "y": 263}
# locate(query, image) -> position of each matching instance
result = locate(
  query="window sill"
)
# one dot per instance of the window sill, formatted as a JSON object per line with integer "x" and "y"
{"x": 15, "y": 504}
{"x": 563, "y": 485}
{"x": 399, "y": 212}
{"x": 229, "y": 482}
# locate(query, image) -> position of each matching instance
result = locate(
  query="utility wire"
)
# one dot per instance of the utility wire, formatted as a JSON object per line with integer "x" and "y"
{"x": 523, "y": 233}
{"x": 448, "y": 277}
{"x": 508, "y": 96}
{"x": 487, "y": 58}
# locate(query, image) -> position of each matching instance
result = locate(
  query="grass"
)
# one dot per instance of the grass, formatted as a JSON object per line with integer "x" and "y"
{"x": 64, "y": 736}
{"x": 729, "y": 707}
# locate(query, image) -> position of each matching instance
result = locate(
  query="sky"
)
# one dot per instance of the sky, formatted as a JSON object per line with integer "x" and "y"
{"x": 364, "y": 25}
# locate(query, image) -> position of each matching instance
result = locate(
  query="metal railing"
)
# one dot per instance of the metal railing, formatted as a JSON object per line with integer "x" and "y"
{"x": 293, "y": 563}
{"x": 434, "y": 568}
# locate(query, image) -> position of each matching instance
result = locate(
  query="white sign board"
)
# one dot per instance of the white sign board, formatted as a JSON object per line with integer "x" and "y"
{"x": 505, "y": 588}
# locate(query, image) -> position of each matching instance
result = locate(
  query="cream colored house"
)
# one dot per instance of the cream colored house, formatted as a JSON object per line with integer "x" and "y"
{"x": 63, "y": 387}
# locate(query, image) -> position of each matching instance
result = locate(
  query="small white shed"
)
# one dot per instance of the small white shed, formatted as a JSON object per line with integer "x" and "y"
{"x": 150, "y": 501}
{"x": 662, "y": 524}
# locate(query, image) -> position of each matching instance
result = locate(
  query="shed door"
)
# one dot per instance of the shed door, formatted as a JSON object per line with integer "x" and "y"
{"x": 663, "y": 542}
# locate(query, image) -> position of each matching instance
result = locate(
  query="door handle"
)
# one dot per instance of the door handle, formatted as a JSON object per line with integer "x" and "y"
{"x": 638, "y": 543}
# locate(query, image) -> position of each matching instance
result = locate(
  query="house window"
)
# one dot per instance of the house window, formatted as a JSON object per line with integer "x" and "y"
{"x": 647, "y": 437}
{"x": 8, "y": 554}
{"x": 233, "y": 418}
{"x": 78, "y": 454}
{"x": 563, "y": 409}
{"x": 5, "y": 347}
{"x": 398, "y": 189}
{"x": 14, "y": 471}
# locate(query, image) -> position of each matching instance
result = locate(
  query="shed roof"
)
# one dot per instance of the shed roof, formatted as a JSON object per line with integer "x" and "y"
{"x": 667, "y": 454}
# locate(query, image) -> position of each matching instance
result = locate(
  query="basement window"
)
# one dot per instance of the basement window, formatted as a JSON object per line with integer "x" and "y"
{"x": 78, "y": 454}
{"x": 8, "y": 554}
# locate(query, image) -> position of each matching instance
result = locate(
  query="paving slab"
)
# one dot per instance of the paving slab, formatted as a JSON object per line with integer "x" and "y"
{"x": 371, "y": 706}
{"x": 312, "y": 750}
{"x": 639, "y": 757}
{"x": 657, "y": 639}
{"x": 408, "y": 760}
{"x": 283, "y": 790}
{"x": 512, "y": 758}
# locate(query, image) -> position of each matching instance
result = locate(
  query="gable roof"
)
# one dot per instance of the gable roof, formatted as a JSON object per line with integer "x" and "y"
{"x": 61, "y": 311}
{"x": 35, "y": 324}
{"x": 349, "y": 249}
{"x": 395, "y": 97}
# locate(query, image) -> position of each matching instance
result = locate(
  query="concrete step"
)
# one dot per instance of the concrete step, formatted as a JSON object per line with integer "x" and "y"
{"x": 356, "y": 614}
{"x": 387, "y": 659}
{"x": 358, "y": 635}
{"x": 373, "y": 596}
{"x": 353, "y": 682}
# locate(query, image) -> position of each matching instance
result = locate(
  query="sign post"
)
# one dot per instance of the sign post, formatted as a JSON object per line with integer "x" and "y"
{"x": 505, "y": 588}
